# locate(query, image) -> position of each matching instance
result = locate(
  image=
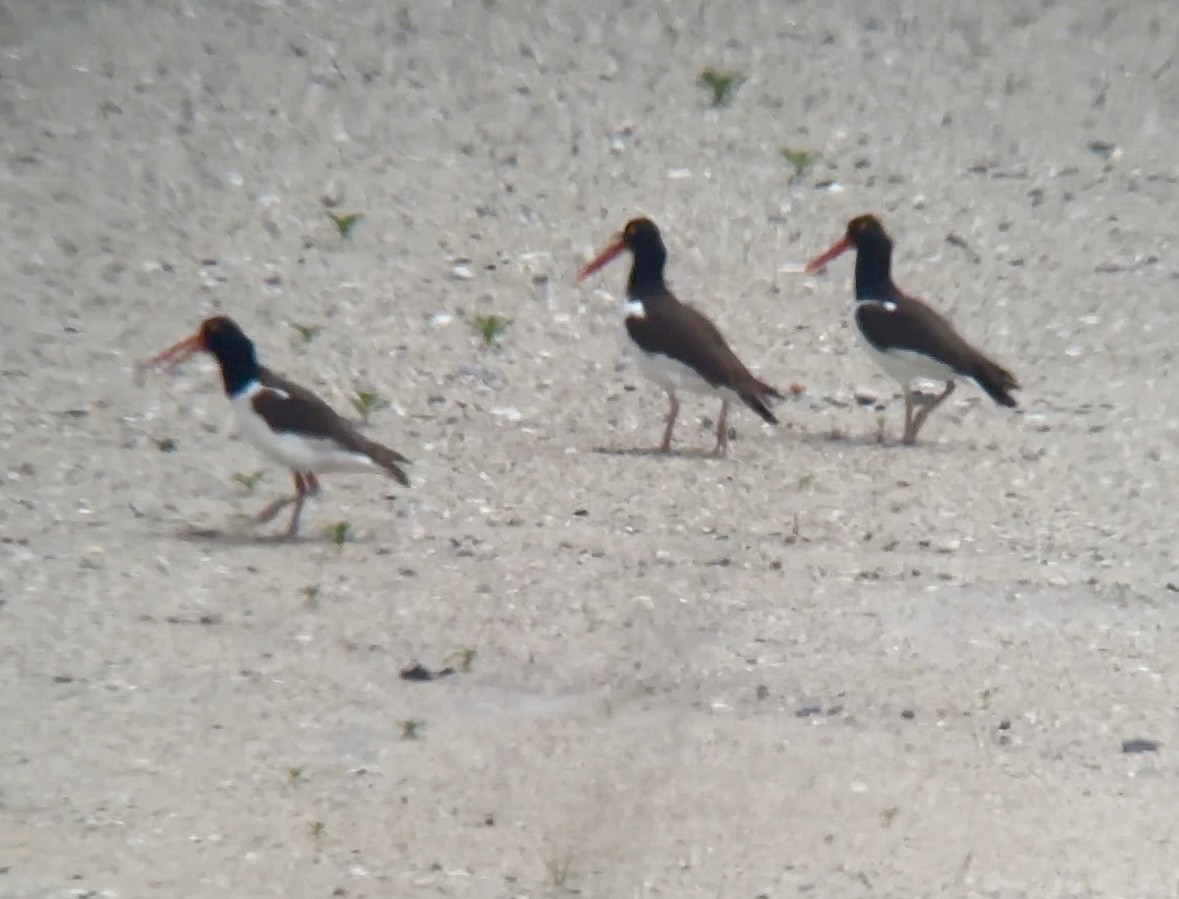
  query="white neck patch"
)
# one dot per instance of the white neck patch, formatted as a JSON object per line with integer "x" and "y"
{"x": 634, "y": 308}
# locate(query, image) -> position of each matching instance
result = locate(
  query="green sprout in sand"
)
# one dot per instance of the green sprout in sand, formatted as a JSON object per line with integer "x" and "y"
{"x": 464, "y": 658}
{"x": 341, "y": 533}
{"x": 799, "y": 160}
{"x": 490, "y": 328}
{"x": 247, "y": 481}
{"x": 307, "y": 333}
{"x": 411, "y": 728}
{"x": 365, "y": 402}
{"x": 345, "y": 223}
{"x": 722, "y": 83}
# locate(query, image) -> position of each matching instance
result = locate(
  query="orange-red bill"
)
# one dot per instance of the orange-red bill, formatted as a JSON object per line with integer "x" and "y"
{"x": 177, "y": 353}
{"x": 599, "y": 261}
{"x": 820, "y": 262}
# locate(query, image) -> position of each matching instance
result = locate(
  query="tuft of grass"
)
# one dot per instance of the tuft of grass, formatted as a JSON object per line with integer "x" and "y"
{"x": 365, "y": 402}
{"x": 558, "y": 866}
{"x": 316, "y": 828}
{"x": 311, "y": 595}
{"x": 490, "y": 328}
{"x": 880, "y": 428}
{"x": 307, "y": 333}
{"x": 341, "y": 533}
{"x": 464, "y": 659}
{"x": 799, "y": 160}
{"x": 722, "y": 83}
{"x": 345, "y": 223}
{"x": 295, "y": 776}
{"x": 247, "y": 481}
{"x": 411, "y": 728}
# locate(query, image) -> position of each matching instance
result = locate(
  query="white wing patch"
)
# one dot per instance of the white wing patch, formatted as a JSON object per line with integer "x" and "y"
{"x": 634, "y": 308}
{"x": 886, "y": 305}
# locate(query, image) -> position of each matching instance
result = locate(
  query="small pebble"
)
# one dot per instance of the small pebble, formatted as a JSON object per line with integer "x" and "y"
{"x": 1140, "y": 744}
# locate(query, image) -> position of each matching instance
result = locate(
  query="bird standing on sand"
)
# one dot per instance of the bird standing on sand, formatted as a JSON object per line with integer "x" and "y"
{"x": 677, "y": 346}
{"x": 910, "y": 340}
{"x": 284, "y": 421}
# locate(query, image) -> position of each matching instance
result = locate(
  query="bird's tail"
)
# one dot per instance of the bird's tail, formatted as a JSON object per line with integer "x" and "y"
{"x": 755, "y": 395}
{"x": 388, "y": 459}
{"x": 997, "y": 381}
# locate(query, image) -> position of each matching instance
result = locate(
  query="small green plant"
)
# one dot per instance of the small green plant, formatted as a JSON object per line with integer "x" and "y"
{"x": 345, "y": 223}
{"x": 799, "y": 160}
{"x": 557, "y": 866}
{"x": 490, "y": 328}
{"x": 880, "y": 423}
{"x": 722, "y": 83}
{"x": 311, "y": 595}
{"x": 411, "y": 728}
{"x": 307, "y": 333}
{"x": 295, "y": 776}
{"x": 341, "y": 533}
{"x": 365, "y": 402}
{"x": 464, "y": 659}
{"x": 247, "y": 481}
{"x": 317, "y": 828}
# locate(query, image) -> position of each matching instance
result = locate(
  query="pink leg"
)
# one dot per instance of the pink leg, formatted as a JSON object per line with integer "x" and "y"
{"x": 672, "y": 413}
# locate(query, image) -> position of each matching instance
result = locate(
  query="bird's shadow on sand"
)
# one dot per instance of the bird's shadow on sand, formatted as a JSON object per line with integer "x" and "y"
{"x": 654, "y": 452}
{"x": 243, "y": 536}
{"x": 870, "y": 440}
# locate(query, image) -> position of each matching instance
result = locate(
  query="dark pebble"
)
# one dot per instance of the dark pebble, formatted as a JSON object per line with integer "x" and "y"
{"x": 1140, "y": 744}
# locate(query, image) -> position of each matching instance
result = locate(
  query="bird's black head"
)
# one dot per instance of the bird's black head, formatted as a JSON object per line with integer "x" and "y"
{"x": 645, "y": 243}
{"x": 643, "y": 239}
{"x": 873, "y": 249}
{"x": 221, "y": 337}
{"x": 866, "y": 232}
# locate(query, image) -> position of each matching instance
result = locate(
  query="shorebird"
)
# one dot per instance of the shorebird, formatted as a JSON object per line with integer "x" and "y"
{"x": 285, "y": 422}
{"x": 677, "y": 346}
{"x": 906, "y": 337}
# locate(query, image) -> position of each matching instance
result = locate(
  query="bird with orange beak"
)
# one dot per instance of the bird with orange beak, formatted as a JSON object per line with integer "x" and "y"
{"x": 676, "y": 345}
{"x": 285, "y": 422}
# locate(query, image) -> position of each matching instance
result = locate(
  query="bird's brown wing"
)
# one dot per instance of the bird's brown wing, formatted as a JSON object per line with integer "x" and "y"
{"x": 288, "y": 408}
{"x": 906, "y": 323}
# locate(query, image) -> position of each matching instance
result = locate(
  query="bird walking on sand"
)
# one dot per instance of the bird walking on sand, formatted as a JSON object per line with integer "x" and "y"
{"x": 676, "y": 345}
{"x": 908, "y": 339}
{"x": 285, "y": 422}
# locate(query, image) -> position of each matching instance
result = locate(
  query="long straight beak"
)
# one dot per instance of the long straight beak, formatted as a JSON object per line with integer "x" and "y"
{"x": 820, "y": 262}
{"x": 602, "y": 259}
{"x": 176, "y": 354}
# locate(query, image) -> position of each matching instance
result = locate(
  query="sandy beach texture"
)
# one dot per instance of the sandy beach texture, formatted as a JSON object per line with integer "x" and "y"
{"x": 823, "y": 667}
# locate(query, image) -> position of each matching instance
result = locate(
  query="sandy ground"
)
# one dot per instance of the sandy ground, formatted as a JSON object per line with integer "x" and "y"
{"x": 822, "y": 667}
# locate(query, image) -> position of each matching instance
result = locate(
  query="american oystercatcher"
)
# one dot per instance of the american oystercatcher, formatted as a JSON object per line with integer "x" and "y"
{"x": 284, "y": 421}
{"x": 676, "y": 346}
{"x": 908, "y": 339}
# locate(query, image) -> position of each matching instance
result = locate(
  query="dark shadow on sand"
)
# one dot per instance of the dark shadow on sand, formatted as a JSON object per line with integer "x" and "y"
{"x": 230, "y": 536}
{"x": 639, "y": 452}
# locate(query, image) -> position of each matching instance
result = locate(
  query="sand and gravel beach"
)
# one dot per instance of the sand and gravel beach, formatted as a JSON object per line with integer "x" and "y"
{"x": 825, "y": 666}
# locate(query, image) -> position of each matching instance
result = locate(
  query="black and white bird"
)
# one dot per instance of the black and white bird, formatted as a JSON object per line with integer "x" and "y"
{"x": 907, "y": 338}
{"x": 284, "y": 421}
{"x": 677, "y": 346}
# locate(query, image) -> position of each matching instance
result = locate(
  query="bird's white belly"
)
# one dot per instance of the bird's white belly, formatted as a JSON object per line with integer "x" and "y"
{"x": 671, "y": 374}
{"x": 906, "y": 366}
{"x": 294, "y": 451}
